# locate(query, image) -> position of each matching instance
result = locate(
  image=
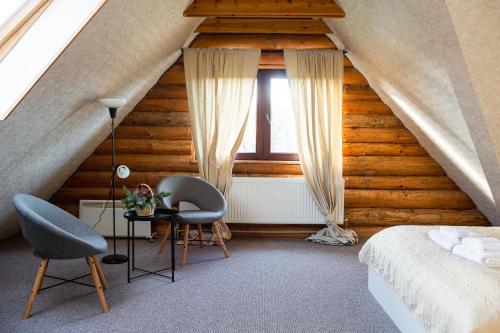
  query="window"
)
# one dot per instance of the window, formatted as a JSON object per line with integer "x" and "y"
{"x": 39, "y": 46}
{"x": 270, "y": 132}
{"x": 16, "y": 16}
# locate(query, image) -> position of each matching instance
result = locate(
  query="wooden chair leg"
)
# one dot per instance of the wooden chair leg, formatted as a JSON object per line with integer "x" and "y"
{"x": 200, "y": 235}
{"x": 97, "y": 283}
{"x": 101, "y": 273}
{"x": 42, "y": 268}
{"x": 185, "y": 245}
{"x": 220, "y": 240}
{"x": 163, "y": 241}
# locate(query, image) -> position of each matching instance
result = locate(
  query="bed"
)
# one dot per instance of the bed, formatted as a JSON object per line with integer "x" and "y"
{"x": 424, "y": 288}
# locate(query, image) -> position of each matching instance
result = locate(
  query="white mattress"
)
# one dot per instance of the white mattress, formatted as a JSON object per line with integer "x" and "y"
{"x": 444, "y": 292}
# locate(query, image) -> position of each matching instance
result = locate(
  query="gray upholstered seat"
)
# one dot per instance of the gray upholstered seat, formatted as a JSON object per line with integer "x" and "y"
{"x": 56, "y": 234}
{"x": 194, "y": 190}
{"x": 211, "y": 203}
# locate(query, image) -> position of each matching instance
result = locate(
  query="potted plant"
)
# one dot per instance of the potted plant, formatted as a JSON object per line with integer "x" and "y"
{"x": 142, "y": 200}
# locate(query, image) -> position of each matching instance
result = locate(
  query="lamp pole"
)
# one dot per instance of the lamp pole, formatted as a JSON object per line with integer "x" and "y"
{"x": 113, "y": 258}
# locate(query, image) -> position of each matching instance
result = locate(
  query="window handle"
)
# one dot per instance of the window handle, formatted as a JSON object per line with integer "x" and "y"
{"x": 268, "y": 117}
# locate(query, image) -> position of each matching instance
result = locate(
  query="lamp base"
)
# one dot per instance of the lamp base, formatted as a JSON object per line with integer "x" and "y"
{"x": 114, "y": 259}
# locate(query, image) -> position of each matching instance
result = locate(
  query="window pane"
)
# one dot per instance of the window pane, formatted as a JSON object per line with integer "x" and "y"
{"x": 283, "y": 136}
{"x": 8, "y": 8}
{"x": 249, "y": 145}
{"x": 39, "y": 47}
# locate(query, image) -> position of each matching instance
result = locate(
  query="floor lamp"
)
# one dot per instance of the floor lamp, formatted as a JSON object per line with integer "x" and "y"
{"x": 113, "y": 104}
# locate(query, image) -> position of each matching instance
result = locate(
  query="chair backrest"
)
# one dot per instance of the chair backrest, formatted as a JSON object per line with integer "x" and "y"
{"x": 53, "y": 232}
{"x": 193, "y": 190}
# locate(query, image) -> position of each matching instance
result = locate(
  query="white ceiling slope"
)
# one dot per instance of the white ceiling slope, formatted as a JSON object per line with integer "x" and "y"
{"x": 121, "y": 52}
{"x": 432, "y": 63}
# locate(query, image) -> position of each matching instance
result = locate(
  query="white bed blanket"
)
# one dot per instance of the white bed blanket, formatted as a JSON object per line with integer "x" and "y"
{"x": 446, "y": 293}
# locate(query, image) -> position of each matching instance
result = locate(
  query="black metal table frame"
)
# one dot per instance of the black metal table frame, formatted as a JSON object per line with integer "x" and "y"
{"x": 131, "y": 220}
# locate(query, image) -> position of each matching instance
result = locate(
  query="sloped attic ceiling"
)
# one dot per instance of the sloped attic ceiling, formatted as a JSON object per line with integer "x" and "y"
{"x": 121, "y": 53}
{"x": 410, "y": 53}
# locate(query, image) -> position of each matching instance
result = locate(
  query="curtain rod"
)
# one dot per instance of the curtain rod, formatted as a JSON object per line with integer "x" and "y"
{"x": 344, "y": 51}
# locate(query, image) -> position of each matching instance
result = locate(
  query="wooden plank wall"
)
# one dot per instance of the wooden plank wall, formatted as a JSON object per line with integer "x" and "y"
{"x": 390, "y": 179}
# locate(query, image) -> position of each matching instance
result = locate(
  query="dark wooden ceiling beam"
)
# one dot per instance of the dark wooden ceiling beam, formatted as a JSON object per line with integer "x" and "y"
{"x": 264, "y": 8}
{"x": 262, "y": 41}
{"x": 267, "y": 25}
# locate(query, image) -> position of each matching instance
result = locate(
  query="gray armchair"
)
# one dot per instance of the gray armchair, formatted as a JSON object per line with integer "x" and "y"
{"x": 56, "y": 234}
{"x": 205, "y": 196}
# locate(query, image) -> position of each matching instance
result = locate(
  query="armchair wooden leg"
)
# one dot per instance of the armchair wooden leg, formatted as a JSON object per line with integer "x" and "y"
{"x": 185, "y": 245}
{"x": 97, "y": 283}
{"x": 163, "y": 241}
{"x": 220, "y": 240}
{"x": 101, "y": 273}
{"x": 200, "y": 235}
{"x": 42, "y": 268}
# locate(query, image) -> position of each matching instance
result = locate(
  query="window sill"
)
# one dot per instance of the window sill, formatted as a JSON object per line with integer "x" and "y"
{"x": 259, "y": 162}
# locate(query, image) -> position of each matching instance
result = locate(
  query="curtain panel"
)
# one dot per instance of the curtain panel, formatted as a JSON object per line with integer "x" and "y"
{"x": 220, "y": 85}
{"x": 315, "y": 80}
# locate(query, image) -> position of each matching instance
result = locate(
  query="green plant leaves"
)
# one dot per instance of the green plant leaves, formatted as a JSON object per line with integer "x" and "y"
{"x": 134, "y": 200}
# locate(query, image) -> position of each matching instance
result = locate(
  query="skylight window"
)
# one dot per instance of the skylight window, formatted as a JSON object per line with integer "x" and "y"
{"x": 16, "y": 17}
{"x": 51, "y": 28}
{"x": 9, "y": 8}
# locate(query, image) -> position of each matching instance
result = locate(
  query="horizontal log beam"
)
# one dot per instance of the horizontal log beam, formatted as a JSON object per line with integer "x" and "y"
{"x": 263, "y": 25}
{"x": 391, "y": 166}
{"x": 153, "y": 132}
{"x": 435, "y": 199}
{"x": 387, "y": 121}
{"x": 358, "y": 217}
{"x": 101, "y": 179}
{"x": 359, "y": 93}
{"x": 353, "y": 76}
{"x": 365, "y": 107}
{"x": 163, "y": 105}
{"x": 350, "y": 135}
{"x": 146, "y": 146}
{"x": 352, "y": 165}
{"x": 263, "y": 42}
{"x": 382, "y": 135}
{"x": 421, "y": 199}
{"x": 167, "y": 119}
{"x": 264, "y": 8}
{"x": 400, "y": 183}
{"x": 167, "y": 91}
{"x": 382, "y": 149}
{"x": 174, "y": 75}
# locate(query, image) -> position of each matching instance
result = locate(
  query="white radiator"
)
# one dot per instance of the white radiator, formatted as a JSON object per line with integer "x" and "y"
{"x": 271, "y": 201}
{"x": 91, "y": 209}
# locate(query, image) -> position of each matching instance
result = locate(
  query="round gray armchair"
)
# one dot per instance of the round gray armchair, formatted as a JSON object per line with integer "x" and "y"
{"x": 56, "y": 234}
{"x": 210, "y": 201}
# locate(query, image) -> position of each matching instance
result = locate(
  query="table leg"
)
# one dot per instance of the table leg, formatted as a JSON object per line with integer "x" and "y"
{"x": 172, "y": 247}
{"x": 133, "y": 245}
{"x": 128, "y": 251}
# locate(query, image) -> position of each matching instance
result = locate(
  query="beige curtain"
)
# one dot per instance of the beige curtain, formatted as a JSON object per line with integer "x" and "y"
{"x": 315, "y": 79}
{"x": 220, "y": 84}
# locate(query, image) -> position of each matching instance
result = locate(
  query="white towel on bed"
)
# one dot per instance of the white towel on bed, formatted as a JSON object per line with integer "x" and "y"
{"x": 454, "y": 233}
{"x": 466, "y": 252}
{"x": 442, "y": 240}
{"x": 482, "y": 244}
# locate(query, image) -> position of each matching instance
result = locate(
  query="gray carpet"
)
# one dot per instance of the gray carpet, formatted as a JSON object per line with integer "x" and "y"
{"x": 267, "y": 285}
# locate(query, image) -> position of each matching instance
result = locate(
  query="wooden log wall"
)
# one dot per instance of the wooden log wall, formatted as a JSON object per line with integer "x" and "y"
{"x": 390, "y": 179}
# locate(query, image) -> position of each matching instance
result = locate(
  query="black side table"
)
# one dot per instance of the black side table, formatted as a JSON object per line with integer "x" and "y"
{"x": 163, "y": 215}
